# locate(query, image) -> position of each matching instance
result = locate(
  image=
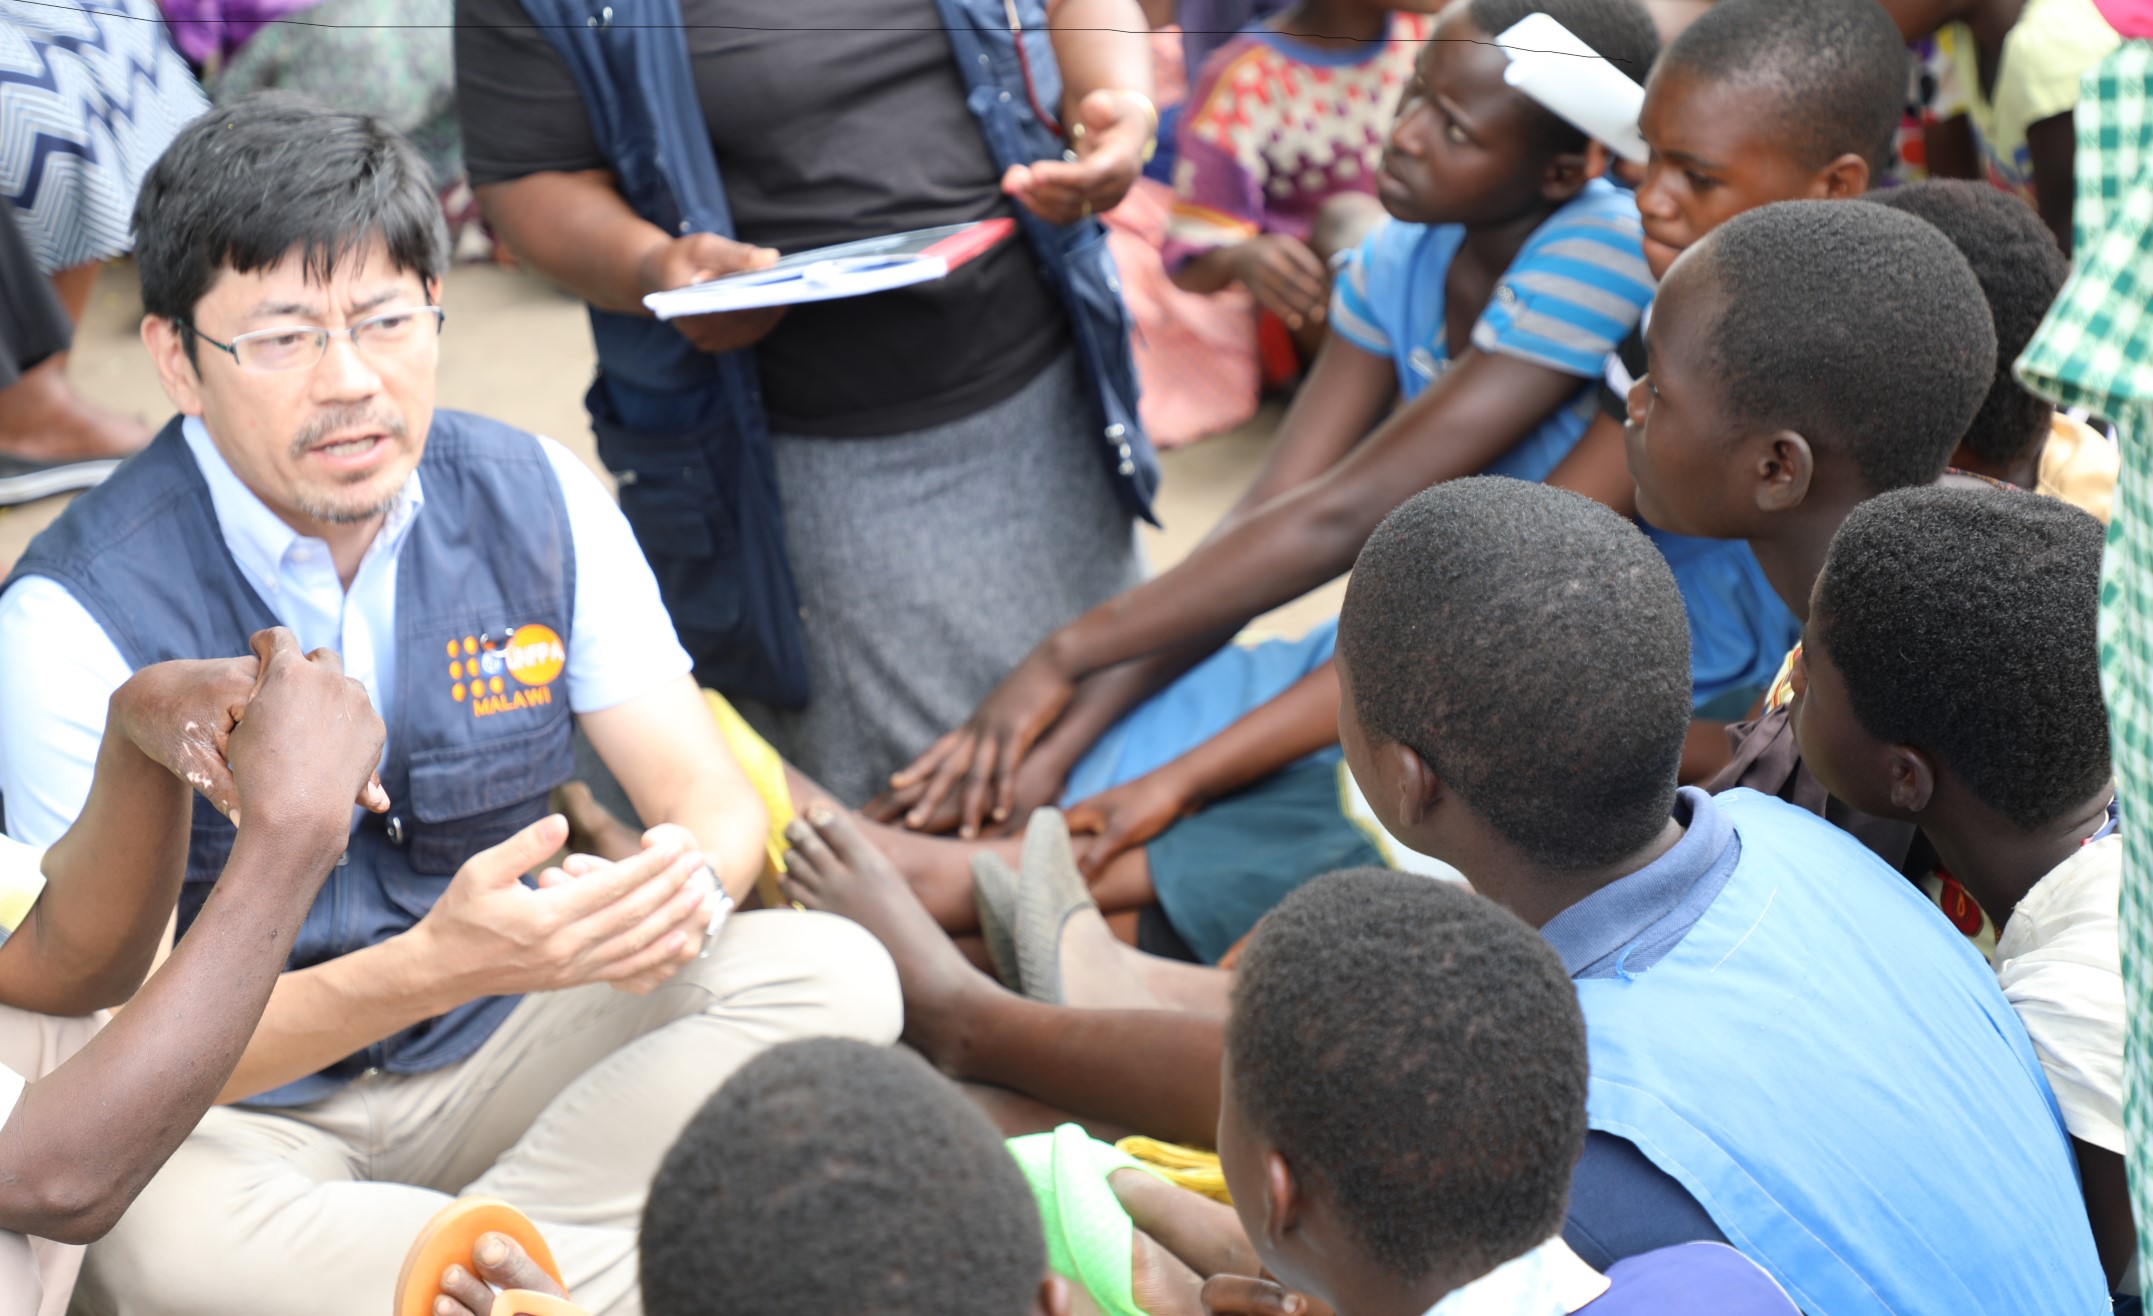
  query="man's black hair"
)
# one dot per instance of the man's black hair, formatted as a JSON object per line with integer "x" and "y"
{"x": 831, "y": 1176}
{"x": 250, "y": 181}
{"x": 1860, "y": 328}
{"x": 1417, "y": 1054}
{"x": 1530, "y": 645}
{"x": 1620, "y": 30}
{"x": 1830, "y": 76}
{"x": 2021, "y": 270}
{"x": 1964, "y": 622}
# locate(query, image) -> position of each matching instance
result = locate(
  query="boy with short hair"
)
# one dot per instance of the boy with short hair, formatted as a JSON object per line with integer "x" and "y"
{"x": 1996, "y": 745}
{"x": 826, "y": 1175}
{"x": 1375, "y": 1011}
{"x": 1757, "y": 101}
{"x": 1805, "y": 357}
{"x": 2016, "y": 437}
{"x": 1781, "y": 1034}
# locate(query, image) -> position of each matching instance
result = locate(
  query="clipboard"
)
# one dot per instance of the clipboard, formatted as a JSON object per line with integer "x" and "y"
{"x": 849, "y": 269}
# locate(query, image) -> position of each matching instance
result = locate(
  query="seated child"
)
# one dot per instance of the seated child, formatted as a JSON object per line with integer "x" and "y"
{"x": 1758, "y": 101}
{"x": 2016, "y": 437}
{"x": 1281, "y": 120}
{"x": 1996, "y": 745}
{"x": 1703, "y": 1015}
{"x": 1805, "y": 357}
{"x": 2017, "y": 67}
{"x": 1514, "y": 674}
{"x": 91, "y": 1116}
{"x": 825, "y": 1176}
{"x": 1375, "y": 1012}
{"x": 1485, "y": 307}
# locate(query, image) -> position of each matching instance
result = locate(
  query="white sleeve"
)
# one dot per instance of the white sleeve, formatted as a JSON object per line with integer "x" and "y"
{"x": 2062, "y": 972}
{"x": 621, "y": 642}
{"x": 58, "y": 670}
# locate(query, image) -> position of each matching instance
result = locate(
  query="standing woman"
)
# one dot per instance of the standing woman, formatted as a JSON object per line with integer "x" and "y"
{"x": 950, "y": 470}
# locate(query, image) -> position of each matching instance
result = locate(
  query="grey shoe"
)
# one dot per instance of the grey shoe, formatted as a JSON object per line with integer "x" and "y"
{"x": 1052, "y": 889}
{"x": 994, "y": 894}
{"x": 25, "y": 481}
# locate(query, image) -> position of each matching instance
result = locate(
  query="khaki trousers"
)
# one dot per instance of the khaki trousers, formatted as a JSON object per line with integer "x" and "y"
{"x": 37, "y": 1274}
{"x": 565, "y": 1112}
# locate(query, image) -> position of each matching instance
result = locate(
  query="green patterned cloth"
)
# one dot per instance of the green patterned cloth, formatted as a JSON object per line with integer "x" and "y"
{"x": 2095, "y": 350}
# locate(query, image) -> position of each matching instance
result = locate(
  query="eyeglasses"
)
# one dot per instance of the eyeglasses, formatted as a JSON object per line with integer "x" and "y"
{"x": 301, "y": 347}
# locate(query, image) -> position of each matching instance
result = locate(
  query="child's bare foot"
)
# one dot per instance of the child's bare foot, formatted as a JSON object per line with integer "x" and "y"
{"x": 1066, "y": 953}
{"x": 833, "y": 867}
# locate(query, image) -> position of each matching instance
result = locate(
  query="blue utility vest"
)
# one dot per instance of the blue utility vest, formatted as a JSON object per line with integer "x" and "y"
{"x": 685, "y": 430}
{"x": 488, "y": 560}
{"x": 1834, "y": 1075}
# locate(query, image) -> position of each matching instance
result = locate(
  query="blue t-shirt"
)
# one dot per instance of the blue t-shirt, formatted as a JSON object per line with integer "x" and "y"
{"x": 1574, "y": 290}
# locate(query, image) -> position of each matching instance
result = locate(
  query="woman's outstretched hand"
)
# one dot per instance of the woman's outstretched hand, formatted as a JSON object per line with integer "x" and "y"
{"x": 1111, "y": 132}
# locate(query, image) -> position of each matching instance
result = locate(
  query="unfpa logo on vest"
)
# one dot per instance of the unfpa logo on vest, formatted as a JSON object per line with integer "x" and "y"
{"x": 501, "y": 678}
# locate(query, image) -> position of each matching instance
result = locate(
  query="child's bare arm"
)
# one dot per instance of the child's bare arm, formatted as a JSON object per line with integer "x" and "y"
{"x": 1599, "y": 467}
{"x": 1346, "y": 393}
{"x": 83, "y": 1140}
{"x": 1297, "y": 723}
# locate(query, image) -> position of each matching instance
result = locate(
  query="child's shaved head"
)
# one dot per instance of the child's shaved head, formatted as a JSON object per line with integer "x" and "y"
{"x": 1830, "y": 74}
{"x": 1860, "y": 328}
{"x": 830, "y": 1176}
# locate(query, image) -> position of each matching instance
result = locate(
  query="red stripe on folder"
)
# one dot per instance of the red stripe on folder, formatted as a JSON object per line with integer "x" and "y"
{"x": 958, "y": 248}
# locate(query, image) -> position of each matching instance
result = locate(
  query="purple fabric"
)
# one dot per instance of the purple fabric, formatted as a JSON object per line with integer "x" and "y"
{"x": 205, "y": 28}
{"x": 1693, "y": 1279}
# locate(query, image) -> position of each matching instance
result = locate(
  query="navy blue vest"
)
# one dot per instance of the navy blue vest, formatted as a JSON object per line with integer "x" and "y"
{"x": 485, "y": 589}
{"x": 685, "y": 430}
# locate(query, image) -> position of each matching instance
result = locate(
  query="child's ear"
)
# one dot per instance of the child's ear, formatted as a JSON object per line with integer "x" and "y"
{"x": 1568, "y": 172}
{"x": 1282, "y": 1194}
{"x": 1842, "y": 180}
{"x": 1785, "y": 466}
{"x": 1913, "y": 778}
{"x": 1419, "y": 789}
{"x": 1054, "y": 1298}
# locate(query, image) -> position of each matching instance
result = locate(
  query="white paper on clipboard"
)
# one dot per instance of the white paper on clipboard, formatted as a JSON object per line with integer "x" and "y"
{"x": 851, "y": 269}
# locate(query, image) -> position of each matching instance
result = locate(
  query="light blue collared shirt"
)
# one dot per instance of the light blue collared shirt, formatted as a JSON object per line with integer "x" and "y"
{"x": 296, "y": 575}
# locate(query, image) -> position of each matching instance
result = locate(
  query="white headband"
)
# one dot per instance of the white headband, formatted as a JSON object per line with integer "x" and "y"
{"x": 1549, "y": 63}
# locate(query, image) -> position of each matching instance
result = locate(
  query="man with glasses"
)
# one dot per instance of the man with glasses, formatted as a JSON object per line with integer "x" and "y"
{"x": 442, "y": 1027}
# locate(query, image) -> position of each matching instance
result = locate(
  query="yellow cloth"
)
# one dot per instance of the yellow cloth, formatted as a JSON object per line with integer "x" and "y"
{"x": 2079, "y": 466}
{"x": 1184, "y": 1167}
{"x": 766, "y": 772}
{"x": 22, "y": 879}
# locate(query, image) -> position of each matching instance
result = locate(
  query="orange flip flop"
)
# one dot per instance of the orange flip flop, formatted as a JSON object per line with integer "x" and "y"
{"x": 447, "y": 1240}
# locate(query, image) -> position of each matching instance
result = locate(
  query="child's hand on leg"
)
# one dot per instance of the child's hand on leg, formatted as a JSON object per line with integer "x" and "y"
{"x": 1288, "y": 279}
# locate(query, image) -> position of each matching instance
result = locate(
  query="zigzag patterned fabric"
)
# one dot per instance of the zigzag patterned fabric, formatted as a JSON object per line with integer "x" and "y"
{"x": 89, "y": 98}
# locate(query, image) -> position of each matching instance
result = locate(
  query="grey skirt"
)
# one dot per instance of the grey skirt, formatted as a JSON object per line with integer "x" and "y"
{"x": 929, "y": 563}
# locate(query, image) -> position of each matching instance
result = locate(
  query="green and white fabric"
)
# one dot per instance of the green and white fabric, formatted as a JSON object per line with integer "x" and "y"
{"x": 2096, "y": 351}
